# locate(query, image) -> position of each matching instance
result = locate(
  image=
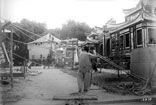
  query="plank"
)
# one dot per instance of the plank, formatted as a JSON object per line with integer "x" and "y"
{"x": 75, "y": 97}
{"x": 137, "y": 100}
{"x": 4, "y": 75}
{"x": 18, "y": 74}
{"x": 14, "y": 74}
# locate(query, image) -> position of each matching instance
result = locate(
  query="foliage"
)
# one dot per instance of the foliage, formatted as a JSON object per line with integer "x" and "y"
{"x": 55, "y": 32}
{"x": 22, "y": 35}
{"x": 31, "y": 26}
{"x": 74, "y": 29}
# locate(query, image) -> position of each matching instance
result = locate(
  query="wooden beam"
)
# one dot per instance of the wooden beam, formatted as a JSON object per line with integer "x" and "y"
{"x": 76, "y": 97}
{"x": 6, "y": 54}
{"x": 14, "y": 75}
{"x": 11, "y": 58}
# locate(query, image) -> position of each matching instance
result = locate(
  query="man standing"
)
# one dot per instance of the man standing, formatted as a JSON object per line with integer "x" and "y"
{"x": 48, "y": 61}
{"x": 93, "y": 61}
{"x": 44, "y": 63}
{"x": 85, "y": 70}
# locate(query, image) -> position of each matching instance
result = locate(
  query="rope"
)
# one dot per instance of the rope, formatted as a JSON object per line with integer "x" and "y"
{"x": 17, "y": 41}
{"x": 26, "y": 30}
{"x": 25, "y": 58}
{"x": 138, "y": 90}
{"x": 27, "y": 43}
{"x": 23, "y": 33}
{"x": 20, "y": 27}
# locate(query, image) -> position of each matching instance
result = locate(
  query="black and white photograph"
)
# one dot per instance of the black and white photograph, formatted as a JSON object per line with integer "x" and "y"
{"x": 77, "y": 52}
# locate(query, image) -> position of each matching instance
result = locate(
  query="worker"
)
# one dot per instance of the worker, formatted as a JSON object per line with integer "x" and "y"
{"x": 44, "y": 63}
{"x": 48, "y": 61}
{"x": 85, "y": 70}
{"x": 93, "y": 61}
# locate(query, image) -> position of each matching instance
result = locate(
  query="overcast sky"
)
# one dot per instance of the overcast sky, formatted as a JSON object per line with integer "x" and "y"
{"x": 56, "y": 12}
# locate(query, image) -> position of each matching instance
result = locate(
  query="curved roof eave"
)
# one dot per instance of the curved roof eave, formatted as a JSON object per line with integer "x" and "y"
{"x": 92, "y": 40}
{"x": 126, "y": 24}
{"x": 128, "y": 12}
{"x": 149, "y": 16}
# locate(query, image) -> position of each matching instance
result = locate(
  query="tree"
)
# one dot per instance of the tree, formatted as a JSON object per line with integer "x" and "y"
{"x": 22, "y": 35}
{"x": 55, "y": 32}
{"x": 33, "y": 27}
{"x": 74, "y": 29}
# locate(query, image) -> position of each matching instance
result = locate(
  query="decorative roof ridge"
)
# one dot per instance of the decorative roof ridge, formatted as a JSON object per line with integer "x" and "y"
{"x": 115, "y": 25}
{"x": 128, "y": 22}
{"x": 98, "y": 27}
{"x": 151, "y": 15}
{"x": 128, "y": 12}
{"x": 92, "y": 40}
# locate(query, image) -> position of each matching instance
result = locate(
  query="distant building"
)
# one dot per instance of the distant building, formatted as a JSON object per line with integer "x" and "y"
{"x": 94, "y": 39}
{"x": 42, "y": 47}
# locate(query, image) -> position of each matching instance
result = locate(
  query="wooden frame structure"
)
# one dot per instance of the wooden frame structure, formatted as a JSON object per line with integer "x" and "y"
{"x": 8, "y": 57}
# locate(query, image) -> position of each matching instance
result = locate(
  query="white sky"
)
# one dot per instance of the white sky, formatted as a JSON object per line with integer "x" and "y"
{"x": 56, "y": 12}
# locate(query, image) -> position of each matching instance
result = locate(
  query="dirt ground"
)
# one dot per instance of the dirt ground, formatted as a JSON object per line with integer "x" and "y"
{"x": 40, "y": 88}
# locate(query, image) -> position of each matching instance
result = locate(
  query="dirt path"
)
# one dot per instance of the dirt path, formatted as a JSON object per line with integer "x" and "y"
{"x": 40, "y": 89}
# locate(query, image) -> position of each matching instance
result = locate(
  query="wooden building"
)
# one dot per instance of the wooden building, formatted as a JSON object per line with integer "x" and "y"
{"x": 137, "y": 31}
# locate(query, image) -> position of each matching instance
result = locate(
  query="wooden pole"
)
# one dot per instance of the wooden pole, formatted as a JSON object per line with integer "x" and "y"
{"x": 24, "y": 68}
{"x": 11, "y": 58}
{"x": 51, "y": 52}
{"x": 104, "y": 44}
{"x": 72, "y": 55}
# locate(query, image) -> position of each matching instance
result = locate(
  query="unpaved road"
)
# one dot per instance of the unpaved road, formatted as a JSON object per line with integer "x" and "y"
{"x": 40, "y": 89}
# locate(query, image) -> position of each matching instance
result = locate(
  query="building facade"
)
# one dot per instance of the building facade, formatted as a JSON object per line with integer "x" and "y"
{"x": 137, "y": 31}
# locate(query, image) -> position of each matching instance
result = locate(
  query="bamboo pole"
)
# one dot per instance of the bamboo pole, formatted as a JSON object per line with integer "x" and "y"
{"x": 11, "y": 58}
{"x": 72, "y": 55}
{"x": 24, "y": 71}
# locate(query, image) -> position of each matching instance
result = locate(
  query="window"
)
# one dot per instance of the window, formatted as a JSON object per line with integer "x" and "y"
{"x": 113, "y": 42}
{"x": 127, "y": 39}
{"x": 121, "y": 41}
{"x": 152, "y": 35}
{"x": 69, "y": 54}
{"x": 139, "y": 37}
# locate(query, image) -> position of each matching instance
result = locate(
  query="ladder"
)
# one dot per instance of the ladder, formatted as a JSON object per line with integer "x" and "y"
{"x": 109, "y": 61}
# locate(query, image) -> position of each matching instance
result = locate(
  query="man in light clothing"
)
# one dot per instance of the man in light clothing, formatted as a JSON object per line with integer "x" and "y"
{"x": 85, "y": 70}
